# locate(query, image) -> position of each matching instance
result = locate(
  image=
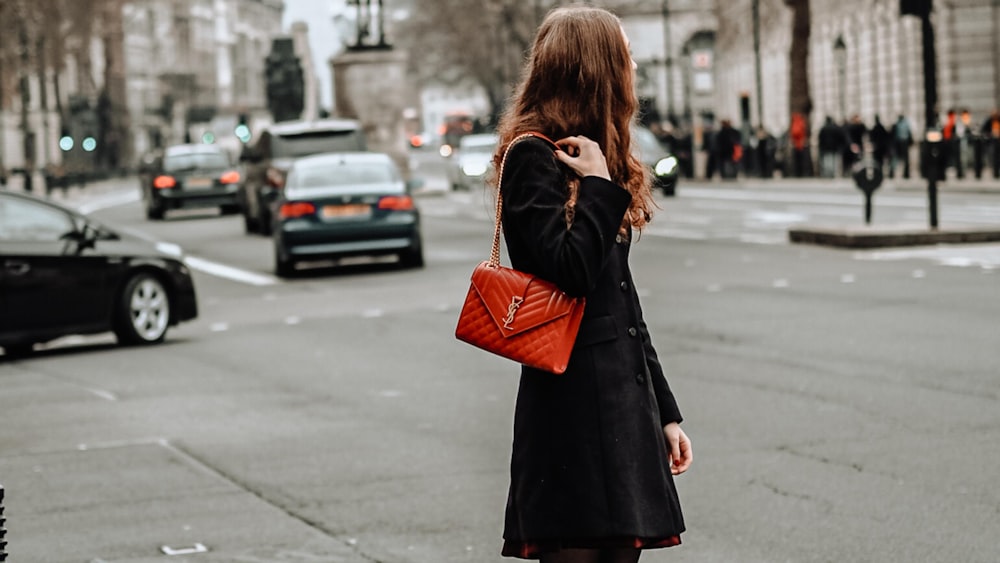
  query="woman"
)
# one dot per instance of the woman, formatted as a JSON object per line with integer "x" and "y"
{"x": 594, "y": 448}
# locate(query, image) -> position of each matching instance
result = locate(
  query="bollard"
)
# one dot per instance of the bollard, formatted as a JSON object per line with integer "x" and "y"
{"x": 3, "y": 531}
{"x": 935, "y": 158}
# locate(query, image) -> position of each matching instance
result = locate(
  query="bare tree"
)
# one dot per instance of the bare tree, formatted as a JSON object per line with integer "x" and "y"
{"x": 452, "y": 40}
{"x": 799, "y": 98}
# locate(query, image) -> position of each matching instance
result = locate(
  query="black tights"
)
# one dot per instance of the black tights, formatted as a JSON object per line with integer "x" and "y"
{"x": 616, "y": 555}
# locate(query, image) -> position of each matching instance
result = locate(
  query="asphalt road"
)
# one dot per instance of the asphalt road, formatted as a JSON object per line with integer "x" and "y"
{"x": 843, "y": 406}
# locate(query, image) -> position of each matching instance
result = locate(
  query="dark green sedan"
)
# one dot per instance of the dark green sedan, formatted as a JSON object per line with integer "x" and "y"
{"x": 338, "y": 205}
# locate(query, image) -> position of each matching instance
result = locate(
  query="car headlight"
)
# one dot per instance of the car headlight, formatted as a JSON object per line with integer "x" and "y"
{"x": 170, "y": 248}
{"x": 666, "y": 166}
{"x": 474, "y": 168}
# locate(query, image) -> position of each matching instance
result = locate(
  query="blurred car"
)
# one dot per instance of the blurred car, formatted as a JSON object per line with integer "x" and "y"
{"x": 189, "y": 176}
{"x": 659, "y": 160}
{"x": 268, "y": 161}
{"x": 345, "y": 204}
{"x": 472, "y": 161}
{"x": 64, "y": 273}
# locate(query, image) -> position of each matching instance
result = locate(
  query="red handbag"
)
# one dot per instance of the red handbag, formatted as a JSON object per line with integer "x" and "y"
{"x": 516, "y": 315}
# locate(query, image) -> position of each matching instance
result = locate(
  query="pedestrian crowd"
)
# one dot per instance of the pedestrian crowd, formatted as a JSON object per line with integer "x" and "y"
{"x": 969, "y": 147}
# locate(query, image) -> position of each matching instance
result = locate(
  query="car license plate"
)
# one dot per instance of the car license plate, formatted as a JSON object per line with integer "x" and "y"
{"x": 199, "y": 183}
{"x": 348, "y": 210}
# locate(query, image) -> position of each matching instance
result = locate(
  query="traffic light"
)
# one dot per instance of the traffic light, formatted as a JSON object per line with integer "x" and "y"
{"x": 285, "y": 85}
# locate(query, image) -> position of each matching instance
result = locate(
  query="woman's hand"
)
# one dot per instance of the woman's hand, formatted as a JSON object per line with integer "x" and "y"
{"x": 680, "y": 448}
{"x": 583, "y": 156}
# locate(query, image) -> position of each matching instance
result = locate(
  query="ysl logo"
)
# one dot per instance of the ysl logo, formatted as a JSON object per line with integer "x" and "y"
{"x": 515, "y": 302}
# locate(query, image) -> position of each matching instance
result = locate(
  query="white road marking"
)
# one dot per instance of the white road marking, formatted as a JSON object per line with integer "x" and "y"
{"x": 229, "y": 272}
{"x": 962, "y": 256}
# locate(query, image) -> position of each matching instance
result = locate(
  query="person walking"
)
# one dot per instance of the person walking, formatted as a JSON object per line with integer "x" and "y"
{"x": 832, "y": 142}
{"x": 728, "y": 150}
{"x": 902, "y": 140}
{"x": 595, "y": 450}
{"x": 991, "y": 135}
{"x": 857, "y": 136}
{"x": 881, "y": 143}
{"x": 798, "y": 136}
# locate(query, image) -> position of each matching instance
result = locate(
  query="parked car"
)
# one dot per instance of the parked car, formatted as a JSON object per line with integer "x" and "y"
{"x": 472, "y": 161}
{"x": 345, "y": 204}
{"x": 189, "y": 176}
{"x": 662, "y": 164}
{"x": 64, "y": 273}
{"x": 268, "y": 161}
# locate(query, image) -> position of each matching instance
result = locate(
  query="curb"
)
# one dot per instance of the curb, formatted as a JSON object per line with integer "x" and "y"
{"x": 892, "y": 236}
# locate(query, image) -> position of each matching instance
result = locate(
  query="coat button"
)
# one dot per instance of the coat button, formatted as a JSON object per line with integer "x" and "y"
{"x": 640, "y": 379}
{"x": 632, "y": 331}
{"x": 623, "y": 285}
{"x": 618, "y": 239}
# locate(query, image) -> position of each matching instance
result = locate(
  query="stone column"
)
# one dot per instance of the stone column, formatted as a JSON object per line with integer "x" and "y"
{"x": 370, "y": 85}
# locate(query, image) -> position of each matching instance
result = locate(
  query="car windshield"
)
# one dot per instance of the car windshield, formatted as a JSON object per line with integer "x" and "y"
{"x": 342, "y": 174}
{"x": 292, "y": 146}
{"x": 194, "y": 161}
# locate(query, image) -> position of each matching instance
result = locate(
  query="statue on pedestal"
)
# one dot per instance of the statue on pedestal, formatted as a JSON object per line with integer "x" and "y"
{"x": 370, "y": 23}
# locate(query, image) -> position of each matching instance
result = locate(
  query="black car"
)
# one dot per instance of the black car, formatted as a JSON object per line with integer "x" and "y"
{"x": 63, "y": 273}
{"x": 189, "y": 176}
{"x": 268, "y": 160}
{"x": 346, "y": 204}
{"x": 661, "y": 163}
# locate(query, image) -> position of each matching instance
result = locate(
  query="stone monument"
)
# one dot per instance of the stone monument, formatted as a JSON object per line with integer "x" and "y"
{"x": 370, "y": 85}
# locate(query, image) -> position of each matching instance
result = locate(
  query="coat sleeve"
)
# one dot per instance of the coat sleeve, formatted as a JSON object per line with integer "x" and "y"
{"x": 665, "y": 401}
{"x": 534, "y": 197}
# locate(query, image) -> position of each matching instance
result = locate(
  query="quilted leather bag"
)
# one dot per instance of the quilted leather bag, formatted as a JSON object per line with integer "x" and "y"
{"x": 518, "y": 315}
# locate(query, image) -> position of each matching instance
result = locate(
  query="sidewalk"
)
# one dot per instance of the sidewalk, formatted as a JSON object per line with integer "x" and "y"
{"x": 75, "y": 193}
{"x": 987, "y": 185}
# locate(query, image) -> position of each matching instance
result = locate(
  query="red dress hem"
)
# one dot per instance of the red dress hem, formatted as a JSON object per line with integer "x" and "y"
{"x": 534, "y": 549}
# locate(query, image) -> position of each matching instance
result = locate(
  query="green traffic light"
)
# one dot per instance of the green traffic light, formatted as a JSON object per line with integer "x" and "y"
{"x": 243, "y": 133}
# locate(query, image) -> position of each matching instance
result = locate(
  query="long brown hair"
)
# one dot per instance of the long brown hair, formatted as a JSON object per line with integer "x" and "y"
{"x": 579, "y": 81}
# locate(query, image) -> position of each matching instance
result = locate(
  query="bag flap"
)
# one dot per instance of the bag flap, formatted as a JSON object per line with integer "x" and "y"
{"x": 518, "y": 302}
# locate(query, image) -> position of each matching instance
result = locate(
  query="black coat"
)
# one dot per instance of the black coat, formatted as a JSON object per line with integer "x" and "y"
{"x": 589, "y": 456}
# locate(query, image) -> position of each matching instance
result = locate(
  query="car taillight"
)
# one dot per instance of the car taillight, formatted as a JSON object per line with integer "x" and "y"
{"x": 275, "y": 178}
{"x": 162, "y": 182}
{"x": 396, "y": 202}
{"x": 230, "y": 177}
{"x": 296, "y": 209}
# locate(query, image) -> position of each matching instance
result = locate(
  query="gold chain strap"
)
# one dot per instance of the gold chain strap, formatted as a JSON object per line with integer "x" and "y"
{"x": 495, "y": 254}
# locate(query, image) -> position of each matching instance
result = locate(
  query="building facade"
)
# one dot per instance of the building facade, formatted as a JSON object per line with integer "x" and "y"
{"x": 172, "y": 63}
{"x": 864, "y": 58}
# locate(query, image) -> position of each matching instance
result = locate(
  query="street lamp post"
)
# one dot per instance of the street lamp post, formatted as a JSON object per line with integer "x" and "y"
{"x": 840, "y": 58}
{"x": 756, "y": 62}
{"x": 931, "y": 147}
{"x": 668, "y": 60}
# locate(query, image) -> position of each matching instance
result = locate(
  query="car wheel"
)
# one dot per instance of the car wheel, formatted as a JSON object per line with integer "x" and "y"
{"x": 19, "y": 350}
{"x": 413, "y": 258}
{"x": 283, "y": 267}
{"x": 154, "y": 213}
{"x": 143, "y": 313}
{"x": 264, "y": 223}
{"x": 229, "y": 209}
{"x": 249, "y": 223}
